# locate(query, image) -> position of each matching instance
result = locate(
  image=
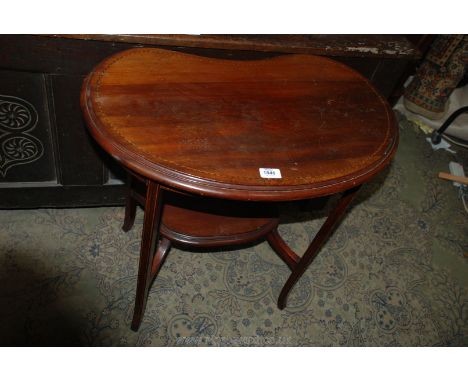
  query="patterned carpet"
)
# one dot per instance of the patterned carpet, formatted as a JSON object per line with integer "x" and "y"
{"x": 393, "y": 274}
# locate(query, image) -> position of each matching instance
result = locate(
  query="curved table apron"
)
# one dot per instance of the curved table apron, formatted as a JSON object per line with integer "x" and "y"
{"x": 196, "y": 134}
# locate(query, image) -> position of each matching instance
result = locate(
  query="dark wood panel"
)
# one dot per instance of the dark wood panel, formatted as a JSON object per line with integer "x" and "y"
{"x": 387, "y": 75}
{"x": 365, "y": 67}
{"x": 78, "y": 57}
{"x": 323, "y": 44}
{"x": 60, "y": 196}
{"x": 49, "y": 55}
{"x": 26, "y": 151}
{"x": 80, "y": 158}
{"x": 384, "y": 73}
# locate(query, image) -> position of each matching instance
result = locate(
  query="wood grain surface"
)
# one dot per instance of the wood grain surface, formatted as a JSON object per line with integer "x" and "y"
{"x": 207, "y": 125}
{"x": 367, "y": 45}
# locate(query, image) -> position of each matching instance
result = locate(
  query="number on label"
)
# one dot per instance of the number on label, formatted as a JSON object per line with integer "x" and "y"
{"x": 270, "y": 173}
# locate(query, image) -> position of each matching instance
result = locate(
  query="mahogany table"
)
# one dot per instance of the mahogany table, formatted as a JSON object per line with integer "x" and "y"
{"x": 212, "y": 145}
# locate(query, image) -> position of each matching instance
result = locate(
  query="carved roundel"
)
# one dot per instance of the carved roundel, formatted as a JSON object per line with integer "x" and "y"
{"x": 16, "y": 114}
{"x": 13, "y": 115}
{"x": 17, "y": 146}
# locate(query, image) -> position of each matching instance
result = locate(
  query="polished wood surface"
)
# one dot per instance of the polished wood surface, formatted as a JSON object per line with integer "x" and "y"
{"x": 193, "y": 221}
{"x": 190, "y": 128}
{"x": 207, "y": 125}
{"x": 151, "y": 256}
{"x": 209, "y": 222}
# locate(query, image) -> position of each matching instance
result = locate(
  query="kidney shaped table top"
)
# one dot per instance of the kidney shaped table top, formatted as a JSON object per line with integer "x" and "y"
{"x": 284, "y": 128}
{"x": 207, "y": 125}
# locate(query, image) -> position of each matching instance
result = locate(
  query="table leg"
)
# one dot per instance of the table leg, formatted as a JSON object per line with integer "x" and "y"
{"x": 299, "y": 265}
{"x": 130, "y": 206}
{"x": 149, "y": 240}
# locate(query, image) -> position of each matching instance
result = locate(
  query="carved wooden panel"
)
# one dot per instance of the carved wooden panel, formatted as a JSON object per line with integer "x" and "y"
{"x": 26, "y": 150}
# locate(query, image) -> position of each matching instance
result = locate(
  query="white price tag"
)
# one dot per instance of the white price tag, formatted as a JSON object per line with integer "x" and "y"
{"x": 270, "y": 173}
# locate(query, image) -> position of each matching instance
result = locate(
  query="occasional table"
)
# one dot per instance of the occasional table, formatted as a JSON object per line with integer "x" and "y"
{"x": 211, "y": 146}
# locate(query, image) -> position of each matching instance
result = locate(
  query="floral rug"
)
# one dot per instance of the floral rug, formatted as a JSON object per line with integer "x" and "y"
{"x": 393, "y": 274}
